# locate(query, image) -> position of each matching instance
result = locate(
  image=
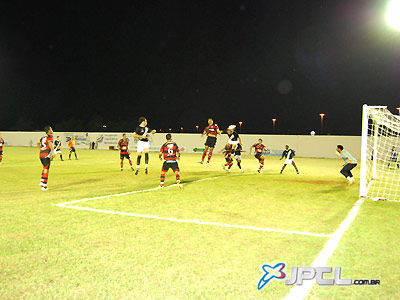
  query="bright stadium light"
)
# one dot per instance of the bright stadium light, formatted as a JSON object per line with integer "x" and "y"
{"x": 398, "y": 108}
{"x": 393, "y": 14}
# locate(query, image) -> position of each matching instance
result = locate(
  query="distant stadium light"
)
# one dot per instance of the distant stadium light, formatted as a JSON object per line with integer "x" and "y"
{"x": 322, "y": 122}
{"x": 312, "y": 133}
{"x": 240, "y": 126}
{"x": 273, "y": 125}
{"x": 197, "y": 128}
{"x": 398, "y": 108}
{"x": 393, "y": 14}
{"x": 181, "y": 128}
{"x": 104, "y": 126}
{"x": 170, "y": 130}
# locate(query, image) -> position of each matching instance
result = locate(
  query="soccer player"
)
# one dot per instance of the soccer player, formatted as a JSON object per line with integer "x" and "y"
{"x": 234, "y": 138}
{"x": 350, "y": 163}
{"x": 227, "y": 151}
{"x": 46, "y": 154}
{"x": 124, "y": 151}
{"x": 1, "y": 148}
{"x": 258, "y": 151}
{"x": 238, "y": 156}
{"x": 170, "y": 151}
{"x": 142, "y": 133}
{"x": 211, "y": 131}
{"x": 394, "y": 154}
{"x": 71, "y": 145}
{"x": 57, "y": 148}
{"x": 288, "y": 154}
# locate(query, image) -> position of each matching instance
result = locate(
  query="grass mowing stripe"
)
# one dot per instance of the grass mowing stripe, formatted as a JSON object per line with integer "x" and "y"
{"x": 301, "y": 291}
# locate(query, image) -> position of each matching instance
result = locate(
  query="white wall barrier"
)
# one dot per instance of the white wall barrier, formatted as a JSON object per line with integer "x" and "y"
{"x": 304, "y": 145}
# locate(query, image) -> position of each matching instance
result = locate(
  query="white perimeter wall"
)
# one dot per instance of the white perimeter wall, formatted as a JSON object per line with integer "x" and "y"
{"x": 304, "y": 145}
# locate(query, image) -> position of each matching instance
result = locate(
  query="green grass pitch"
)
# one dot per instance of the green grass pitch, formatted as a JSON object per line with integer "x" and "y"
{"x": 51, "y": 252}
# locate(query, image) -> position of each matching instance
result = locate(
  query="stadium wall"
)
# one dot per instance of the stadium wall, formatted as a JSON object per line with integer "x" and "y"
{"x": 304, "y": 145}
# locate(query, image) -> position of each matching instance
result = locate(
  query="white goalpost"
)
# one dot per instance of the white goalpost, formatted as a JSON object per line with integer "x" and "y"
{"x": 380, "y": 162}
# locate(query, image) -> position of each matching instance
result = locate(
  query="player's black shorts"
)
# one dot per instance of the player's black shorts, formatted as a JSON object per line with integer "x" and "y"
{"x": 258, "y": 155}
{"x": 125, "y": 156}
{"x": 1, "y": 152}
{"x": 174, "y": 166}
{"x": 45, "y": 162}
{"x": 72, "y": 149}
{"x": 211, "y": 141}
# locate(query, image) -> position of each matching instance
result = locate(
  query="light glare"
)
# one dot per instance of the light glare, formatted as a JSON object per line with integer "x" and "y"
{"x": 393, "y": 14}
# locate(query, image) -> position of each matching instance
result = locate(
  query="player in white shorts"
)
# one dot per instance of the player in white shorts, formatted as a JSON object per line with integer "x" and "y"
{"x": 288, "y": 154}
{"x": 234, "y": 138}
{"x": 57, "y": 147}
{"x": 142, "y": 133}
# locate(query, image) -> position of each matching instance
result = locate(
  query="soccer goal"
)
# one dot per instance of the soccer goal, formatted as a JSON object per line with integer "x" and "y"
{"x": 380, "y": 170}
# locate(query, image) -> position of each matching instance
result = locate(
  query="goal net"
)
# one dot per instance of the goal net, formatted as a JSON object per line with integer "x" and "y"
{"x": 380, "y": 169}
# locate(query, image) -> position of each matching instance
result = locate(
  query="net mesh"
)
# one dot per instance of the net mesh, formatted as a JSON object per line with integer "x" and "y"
{"x": 382, "y": 159}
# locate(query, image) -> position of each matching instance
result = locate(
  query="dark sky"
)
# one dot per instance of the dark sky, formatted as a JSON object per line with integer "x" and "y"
{"x": 80, "y": 65}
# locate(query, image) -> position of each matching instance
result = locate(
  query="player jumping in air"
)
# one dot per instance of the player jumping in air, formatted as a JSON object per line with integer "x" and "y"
{"x": 288, "y": 154}
{"x": 57, "y": 148}
{"x": 171, "y": 154}
{"x": 71, "y": 145}
{"x": 227, "y": 151}
{"x": 142, "y": 133}
{"x": 46, "y": 154}
{"x": 124, "y": 151}
{"x": 234, "y": 138}
{"x": 258, "y": 151}
{"x": 211, "y": 131}
{"x": 1, "y": 148}
{"x": 394, "y": 155}
{"x": 350, "y": 163}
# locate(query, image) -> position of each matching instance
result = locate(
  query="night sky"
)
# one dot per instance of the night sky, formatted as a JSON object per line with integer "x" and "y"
{"x": 79, "y": 66}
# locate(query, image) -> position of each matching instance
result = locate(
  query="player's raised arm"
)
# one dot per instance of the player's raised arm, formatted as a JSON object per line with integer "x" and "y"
{"x": 251, "y": 149}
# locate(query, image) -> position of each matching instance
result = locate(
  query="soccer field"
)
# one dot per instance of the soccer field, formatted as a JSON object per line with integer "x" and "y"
{"x": 100, "y": 233}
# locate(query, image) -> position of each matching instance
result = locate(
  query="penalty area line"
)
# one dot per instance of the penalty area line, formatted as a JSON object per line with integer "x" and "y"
{"x": 196, "y": 221}
{"x": 299, "y": 292}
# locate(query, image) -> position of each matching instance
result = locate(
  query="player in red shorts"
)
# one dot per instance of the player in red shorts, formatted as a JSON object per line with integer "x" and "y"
{"x": 259, "y": 148}
{"x": 124, "y": 151}
{"x": 211, "y": 131}
{"x": 1, "y": 148}
{"x": 227, "y": 151}
{"x": 171, "y": 154}
{"x": 46, "y": 154}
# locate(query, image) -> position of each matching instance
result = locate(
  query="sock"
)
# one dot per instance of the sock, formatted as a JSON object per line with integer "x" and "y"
{"x": 296, "y": 169}
{"x": 75, "y": 155}
{"x": 122, "y": 164}
{"x": 230, "y": 166}
{"x": 261, "y": 163}
{"x": 45, "y": 177}
{"x": 69, "y": 155}
{"x": 238, "y": 163}
{"x": 162, "y": 179}
{"x": 348, "y": 178}
{"x": 146, "y": 159}
{"x": 138, "y": 161}
{"x": 130, "y": 162}
{"x": 209, "y": 156}
{"x": 204, "y": 155}
{"x": 145, "y": 166}
{"x": 61, "y": 157}
{"x": 1, "y": 158}
{"x": 178, "y": 178}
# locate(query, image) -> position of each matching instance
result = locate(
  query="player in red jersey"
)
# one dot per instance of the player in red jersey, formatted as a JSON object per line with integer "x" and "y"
{"x": 1, "y": 148}
{"x": 46, "y": 154}
{"x": 211, "y": 131}
{"x": 171, "y": 154}
{"x": 259, "y": 148}
{"x": 124, "y": 151}
{"x": 227, "y": 151}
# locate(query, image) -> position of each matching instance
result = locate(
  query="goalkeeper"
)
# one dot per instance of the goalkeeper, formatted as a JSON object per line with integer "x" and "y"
{"x": 350, "y": 163}
{"x": 393, "y": 157}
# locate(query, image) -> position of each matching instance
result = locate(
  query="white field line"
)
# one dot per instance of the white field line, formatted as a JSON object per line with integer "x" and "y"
{"x": 196, "y": 221}
{"x": 140, "y": 191}
{"x": 393, "y": 200}
{"x": 299, "y": 292}
{"x": 67, "y": 205}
